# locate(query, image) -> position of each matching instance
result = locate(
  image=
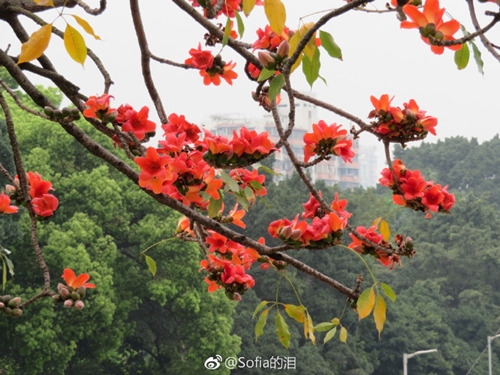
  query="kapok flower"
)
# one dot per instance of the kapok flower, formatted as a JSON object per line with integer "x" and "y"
{"x": 45, "y": 205}
{"x": 431, "y": 25}
{"x": 327, "y": 140}
{"x": 153, "y": 170}
{"x": 74, "y": 281}
{"x": 200, "y": 59}
{"x": 137, "y": 122}
{"x": 214, "y": 74}
{"x": 5, "y": 207}
{"x": 269, "y": 40}
{"x": 98, "y": 107}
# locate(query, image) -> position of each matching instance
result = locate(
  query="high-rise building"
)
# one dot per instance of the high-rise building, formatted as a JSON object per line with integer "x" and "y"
{"x": 333, "y": 171}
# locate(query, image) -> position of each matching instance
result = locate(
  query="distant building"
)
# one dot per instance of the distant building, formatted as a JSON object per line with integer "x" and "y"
{"x": 361, "y": 172}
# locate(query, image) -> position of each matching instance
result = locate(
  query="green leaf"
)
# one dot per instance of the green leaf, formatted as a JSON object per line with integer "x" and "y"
{"x": 229, "y": 181}
{"x": 75, "y": 44}
{"x": 477, "y": 57}
{"x": 240, "y": 25}
{"x": 325, "y": 326}
{"x": 296, "y": 312}
{"x": 282, "y": 330}
{"x": 261, "y": 323}
{"x": 310, "y": 68}
{"x": 343, "y": 334}
{"x": 329, "y": 335}
{"x": 259, "y": 307}
{"x": 265, "y": 74}
{"x": 227, "y": 31}
{"x": 86, "y": 26}
{"x": 276, "y": 15}
{"x": 365, "y": 303}
{"x": 379, "y": 313}
{"x": 36, "y": 44}
{"x": 385, "y": 231}
{"x": 151, "y": 265}
{"x": 388, "y": 292}
{"x": 328, "y": 43}
{"x": 462, "y": 56}
{"x": 214, "y": 207}
{"x": 4, "y": 274}
{"x": 276, "y": 85}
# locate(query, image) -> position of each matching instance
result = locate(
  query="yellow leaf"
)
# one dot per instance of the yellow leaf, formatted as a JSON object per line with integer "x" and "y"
{"x": 385, "y": 231}
{"x": 48, "y": 3}
{"x": 379, "y": 313}
{"x": 310, "y": 47}
{"x": 343, "y": 334}
{"x": 247, "y": 6}
{"x": 296, "y": 312}
{"x": 365, "y": 303}
{"x": 309, "y": 329}
{"x": 276, "y": 15}
{"x": 86, "y": 26}
{"x": 75, "y": 44}
{"x": 294, "y": 42}
{"x": 36, "y": 44}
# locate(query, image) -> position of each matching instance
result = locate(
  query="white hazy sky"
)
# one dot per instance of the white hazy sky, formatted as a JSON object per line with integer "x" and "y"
{"x": 379, "y": 57}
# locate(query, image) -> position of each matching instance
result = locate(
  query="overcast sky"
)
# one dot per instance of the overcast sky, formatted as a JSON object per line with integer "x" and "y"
{"x": 379, "y": 57}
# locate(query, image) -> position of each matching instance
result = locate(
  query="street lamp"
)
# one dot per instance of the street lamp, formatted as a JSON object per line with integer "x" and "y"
{"x": 490, "y": 366}
{"x": 406, "y": 357}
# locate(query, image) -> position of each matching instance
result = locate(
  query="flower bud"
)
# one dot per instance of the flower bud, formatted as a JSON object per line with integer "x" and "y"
{"x": 14, "y": 302}
{"x": 283, "y": 49}
{"x": 60, "y": 286}
{"x": 16, "y": 312}
{"x": 237, "y": 297}
{"x": 81, "y": 291}
{"x": 68, "y": 303}
{"x": 56, "y": 298}
{"x": 296, "y": 234}
{"x": 286, "y": 232}
{"x": 75, "y": 296}
{"x": 79, "y": 305}
{"x": 2, "y": 305}
{"x": 267, "y": 60}
{"x": 65, "y": 294}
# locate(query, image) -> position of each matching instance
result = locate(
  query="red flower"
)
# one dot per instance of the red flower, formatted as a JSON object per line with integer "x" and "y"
{"x": 269, "y": 40}
{"x": 45, "y": 205}
{"x": 98, "y": 107}
{"x": 327, "y": 140}
{"x": 137, "y": 123}
{"x": 5, "y": 206}
{"x": 178, "y": 124}
{"x": 200, "y": 59}
{"x": 430, "y": 23}
{"x": 153, "y": 170}
{"x": 75, "y": 282}
{"x": 213, "y": 76}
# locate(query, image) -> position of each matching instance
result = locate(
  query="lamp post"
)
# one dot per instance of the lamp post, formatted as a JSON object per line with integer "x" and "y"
{"x": 406, "y": 357}
{"x": 490, "y": 366}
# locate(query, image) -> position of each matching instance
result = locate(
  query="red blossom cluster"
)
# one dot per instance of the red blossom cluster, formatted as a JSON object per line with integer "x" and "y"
{"x": 43, "y": 203}
{"x": 72, "y": 294}
{"x": 327, "y": 140}
{"x": 410, "y": 189}
{"x": 212, "y": 69}
{"x": 431, "y": 25}
{"x": 325, "y": 229}
{"x": 400, "y": 124}
{"x": 130, "y": 120}
{"x": 243, "y": 149}
{"x": 229, "y": 8}
{"x": 183, "y": 164}
{"x": 361, "y": 246}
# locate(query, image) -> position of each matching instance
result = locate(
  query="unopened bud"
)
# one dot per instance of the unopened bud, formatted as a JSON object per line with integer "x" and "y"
{"x": 16, "y": 312}
{"x": 283, "y": 49}
{"x": 79, "y": 305}
{"x": 68, "y": 303}
{"x": 2, "y": 305}
{"x": 14, "y": 302}
{"x": 75, "y": 296}
{"x": 81, "y": 291}
{"x": 286, "y": 232}
{"x": 60, "y": 287}
{"x": 296, "y": 234}
{"x": 65, "y": 294}
{"x": 237, "y": 297}
{"x": 267, "y": 60}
